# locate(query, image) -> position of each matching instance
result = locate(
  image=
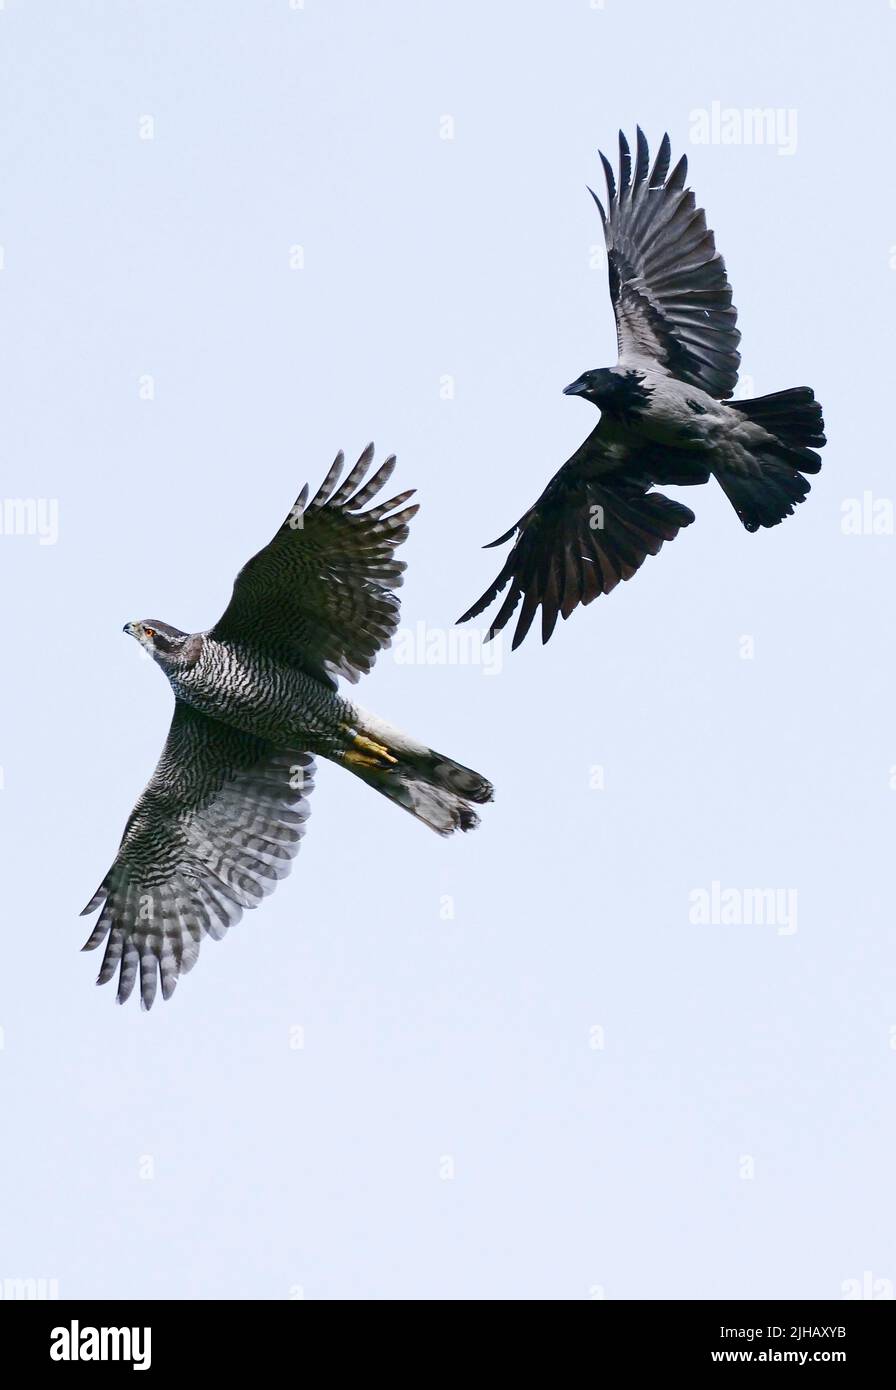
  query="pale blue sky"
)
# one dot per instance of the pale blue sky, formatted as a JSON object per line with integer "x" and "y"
{"x": 726, "y": 1049}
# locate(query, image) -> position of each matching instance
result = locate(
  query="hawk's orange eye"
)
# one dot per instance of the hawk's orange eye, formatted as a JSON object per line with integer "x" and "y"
{"x": 150, "y": 631}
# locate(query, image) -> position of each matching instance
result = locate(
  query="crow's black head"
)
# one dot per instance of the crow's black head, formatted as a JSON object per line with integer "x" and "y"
{"x": 618, "y": 392}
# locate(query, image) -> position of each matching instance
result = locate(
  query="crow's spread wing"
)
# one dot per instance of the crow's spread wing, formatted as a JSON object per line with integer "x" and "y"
{"x": 595, "y": 523}
{"x": 668, "y": 285}
{"x": 320, "y": 595}
{"x": 215, "y": 830}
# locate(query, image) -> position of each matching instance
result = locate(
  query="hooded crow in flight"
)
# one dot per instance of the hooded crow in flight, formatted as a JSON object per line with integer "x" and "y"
{"x": 666, "y": 413}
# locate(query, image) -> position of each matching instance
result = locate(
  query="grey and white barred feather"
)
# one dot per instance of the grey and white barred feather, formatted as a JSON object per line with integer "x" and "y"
{"x": 213, "y": 833}
{"x": 221, "y": 820}
{"x": 321, "y": 593}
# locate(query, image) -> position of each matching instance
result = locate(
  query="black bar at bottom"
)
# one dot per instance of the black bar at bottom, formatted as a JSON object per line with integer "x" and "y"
{"x": 69, "y": 1336}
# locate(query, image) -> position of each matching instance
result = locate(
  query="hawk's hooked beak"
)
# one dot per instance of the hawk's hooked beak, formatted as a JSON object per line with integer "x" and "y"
{"x": 129, "y": 628}
{"x": 576, "y": 388}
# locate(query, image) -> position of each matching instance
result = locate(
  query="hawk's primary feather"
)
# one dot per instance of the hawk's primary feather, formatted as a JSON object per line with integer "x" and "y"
{"x": 320, "y": 594}
{"x": 220, "y": 822}
{"x": 215, "y": 830}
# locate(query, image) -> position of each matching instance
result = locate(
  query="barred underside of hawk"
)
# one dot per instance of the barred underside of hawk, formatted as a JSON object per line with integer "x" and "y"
{"x": 256, "y": 697}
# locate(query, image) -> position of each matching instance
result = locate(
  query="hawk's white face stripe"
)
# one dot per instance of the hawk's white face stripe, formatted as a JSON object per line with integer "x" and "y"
{"x": 220, "y": 821}
{"x": 137, "y": 631}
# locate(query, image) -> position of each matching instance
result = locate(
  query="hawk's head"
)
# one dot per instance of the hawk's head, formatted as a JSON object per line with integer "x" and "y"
{"x": 164, "y": 643}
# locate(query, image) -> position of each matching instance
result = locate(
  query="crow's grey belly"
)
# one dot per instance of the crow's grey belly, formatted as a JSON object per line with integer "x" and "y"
{"x": 677, "y": 416}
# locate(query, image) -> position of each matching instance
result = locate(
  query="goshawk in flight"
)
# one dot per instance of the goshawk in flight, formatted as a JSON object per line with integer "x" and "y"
{"x": 220, "y": 822}
{"x": 665, "y": 413}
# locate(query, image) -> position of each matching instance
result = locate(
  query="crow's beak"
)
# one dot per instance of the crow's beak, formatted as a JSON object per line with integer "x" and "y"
{"x": 576, "y": 388}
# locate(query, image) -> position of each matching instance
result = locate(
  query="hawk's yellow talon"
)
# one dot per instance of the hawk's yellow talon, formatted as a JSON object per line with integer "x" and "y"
{"x": 366, "y": 753}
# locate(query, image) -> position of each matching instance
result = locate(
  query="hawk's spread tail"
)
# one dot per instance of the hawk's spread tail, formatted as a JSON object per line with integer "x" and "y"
{"x": 767, "y": 482}
{"x": 433, "y": 788}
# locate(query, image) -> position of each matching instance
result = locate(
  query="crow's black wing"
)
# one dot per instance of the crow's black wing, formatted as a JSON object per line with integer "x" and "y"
{"x": 668, "y": 284}
{"x": 595, "y": 523}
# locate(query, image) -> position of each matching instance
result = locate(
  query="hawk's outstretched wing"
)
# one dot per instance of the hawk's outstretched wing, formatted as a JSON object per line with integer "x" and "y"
{"x": 668, "y": 285}
{"x": 595, "y": 523}
{"x": 216, "y": 828}
{"x": 320, "y": 595}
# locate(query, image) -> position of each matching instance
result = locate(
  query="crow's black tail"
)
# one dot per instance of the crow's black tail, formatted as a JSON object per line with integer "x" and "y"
{"x": 793, "y": 416}
{"x": 766, "y": 486}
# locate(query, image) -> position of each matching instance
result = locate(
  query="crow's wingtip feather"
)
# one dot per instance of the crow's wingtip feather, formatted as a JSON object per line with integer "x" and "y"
{"x": 490, "y": 545}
